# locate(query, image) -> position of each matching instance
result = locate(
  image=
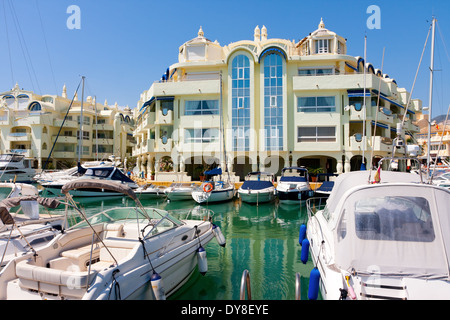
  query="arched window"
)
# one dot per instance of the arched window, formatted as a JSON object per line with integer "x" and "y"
{"x": 273, "y": 101}
{"x": 35, "y": 106}
{"x": 240, "y": 99}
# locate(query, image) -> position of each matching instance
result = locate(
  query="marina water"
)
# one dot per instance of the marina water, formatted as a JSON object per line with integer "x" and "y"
{"x": 262, "y": 239}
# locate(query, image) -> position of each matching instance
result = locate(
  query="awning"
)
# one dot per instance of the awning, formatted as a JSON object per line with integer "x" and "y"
{"x": 214, "y": 172}
{"x": 395, "y": 103}
{"x": 380, "y": 125}
{"x": 352, "y": 93}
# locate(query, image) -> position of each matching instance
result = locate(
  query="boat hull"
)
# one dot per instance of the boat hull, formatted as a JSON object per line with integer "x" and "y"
{"x": 253, "y": 196}
{"x": 213, "y": 196}
{"x": 178, "y": 196}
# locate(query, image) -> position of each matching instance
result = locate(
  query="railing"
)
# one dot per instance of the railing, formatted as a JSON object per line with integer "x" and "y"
{"x": 245, "y": 286}
{"x": 315, "y": 204}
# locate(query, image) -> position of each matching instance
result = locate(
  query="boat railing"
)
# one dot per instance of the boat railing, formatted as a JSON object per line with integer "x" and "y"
{"x": 245, "y": 286}
{"x": 315, "y": 204}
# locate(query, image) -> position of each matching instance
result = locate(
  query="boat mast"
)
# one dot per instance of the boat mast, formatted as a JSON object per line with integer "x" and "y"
{"x": 80, "y": 136}
{"x": 96, "y": 129}
{"x": 363, "y": 164}
{"x": 430, "y": 102}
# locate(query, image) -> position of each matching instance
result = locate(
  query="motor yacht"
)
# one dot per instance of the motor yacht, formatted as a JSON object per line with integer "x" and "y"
{"x": 381, "y": 238}
{"x": 258, "y": 187}
{"x": 117, "y": 254}
{"x": 110, "y": 173}
{"x": 15, "y": 168}
{"x": 293, "y": 185}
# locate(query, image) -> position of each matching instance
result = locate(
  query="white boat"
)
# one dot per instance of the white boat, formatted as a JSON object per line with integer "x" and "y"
{"x": 95, "y": 173}
{"x": 24, "y": 227}
{"x": 258, "y": 187}
{"x": 214, "y": 191}
{"x": 68, "y": 174}
{"x": 11, "y": 189}
{"x": 15, "y": 168}
{"x": 121, "y": 253}
{"x": 293, "y": 185}
{"x": 150, "y": 191}
{"x": 383, "y": 239}
{"x": 180, "y": 191}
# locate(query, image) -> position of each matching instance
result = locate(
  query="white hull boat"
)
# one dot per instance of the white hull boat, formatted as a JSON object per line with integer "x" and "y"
{"x": 387, "y": 239}
{"x": 147, "y": 192}
{"x": 121, "y": 253}
{"x": 293, "y": 185}
{"x": 180, "y": 191}
{"x": 95, "y": 173}
{"x": 24, "y": 228}
{"x": 15, "y": 168}
{"x": 258, "y": 188}
{"x": 215, "y": 191}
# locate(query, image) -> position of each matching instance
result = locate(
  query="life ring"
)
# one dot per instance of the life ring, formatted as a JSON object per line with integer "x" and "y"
{"x": 208, "y": 187}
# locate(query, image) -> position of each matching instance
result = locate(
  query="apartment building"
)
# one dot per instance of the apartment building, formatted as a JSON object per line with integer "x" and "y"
{"x": 30, "y": 124}
{"x": 265, "y": 104}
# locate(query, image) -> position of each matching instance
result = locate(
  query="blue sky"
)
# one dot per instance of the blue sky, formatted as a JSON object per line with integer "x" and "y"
{"x": 124, "y": 46}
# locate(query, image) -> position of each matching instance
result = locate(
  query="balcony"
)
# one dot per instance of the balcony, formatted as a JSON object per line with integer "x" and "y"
{"x": 67, "y": 123}
{"x": 166, "y": 117}
{"x": 65, "y": 139}
{"x": 69, "y": 155}
{"x": 103, "y": 127}
{"x": 187, "y": 87}
{"x": 164, "y": 145}
{"x": 380, "y": 144}
{"x": 19, "y": 136}
{"x": 103, "y": 141}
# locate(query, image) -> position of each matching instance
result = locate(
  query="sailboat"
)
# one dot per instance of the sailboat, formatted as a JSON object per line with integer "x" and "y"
{"x": 216, "y": 189}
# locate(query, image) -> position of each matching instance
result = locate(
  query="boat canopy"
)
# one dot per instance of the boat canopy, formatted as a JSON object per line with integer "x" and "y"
{"x": 99, "y": 184}
{"x": 256, "y": 185}
{"x": 29, "y": 211}
{"x": 392, "y": 229}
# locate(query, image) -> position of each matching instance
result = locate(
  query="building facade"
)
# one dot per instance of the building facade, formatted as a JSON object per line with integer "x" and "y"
{"x": 265, "y": 104}
{"x": 30, "y": 123}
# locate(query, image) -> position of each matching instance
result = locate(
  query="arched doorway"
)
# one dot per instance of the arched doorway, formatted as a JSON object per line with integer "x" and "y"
{"x": 242, "y": 165}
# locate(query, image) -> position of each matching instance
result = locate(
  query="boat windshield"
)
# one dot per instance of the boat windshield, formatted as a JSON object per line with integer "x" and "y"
{"x": 101, "y": 173}
{"x": 397, "y": 229}
{"x": 128, "y": 215}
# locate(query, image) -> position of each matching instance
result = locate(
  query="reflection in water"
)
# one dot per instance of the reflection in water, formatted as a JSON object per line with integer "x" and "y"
{"x": 262, "y": 239}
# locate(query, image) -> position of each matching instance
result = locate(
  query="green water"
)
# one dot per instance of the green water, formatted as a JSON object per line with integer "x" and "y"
{"x": 262, "y": 239}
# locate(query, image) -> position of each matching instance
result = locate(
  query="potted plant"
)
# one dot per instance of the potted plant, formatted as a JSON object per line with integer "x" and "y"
{"x": 200, "y": 169}
{"x": 313, "y": 172}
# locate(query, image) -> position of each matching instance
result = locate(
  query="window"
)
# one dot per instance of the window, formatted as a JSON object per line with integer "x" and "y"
{"x": 201, "y": 135}
{"x": 240, "y": 102}
{"x": 273, "y": 102}
{"x": 86, "y": 120}
{"x": 316, "y": 134}
{"x": 166, "y": 106}
{"x": 35, "y": 106}
{"x": 394, "y": 219}
{"x": 85, "y": 135}
{"x": 316, "y": 104}
{"x": 201, "y": 107}
{"x": 322, "y": 46}
{"x": 316, "y": 72}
